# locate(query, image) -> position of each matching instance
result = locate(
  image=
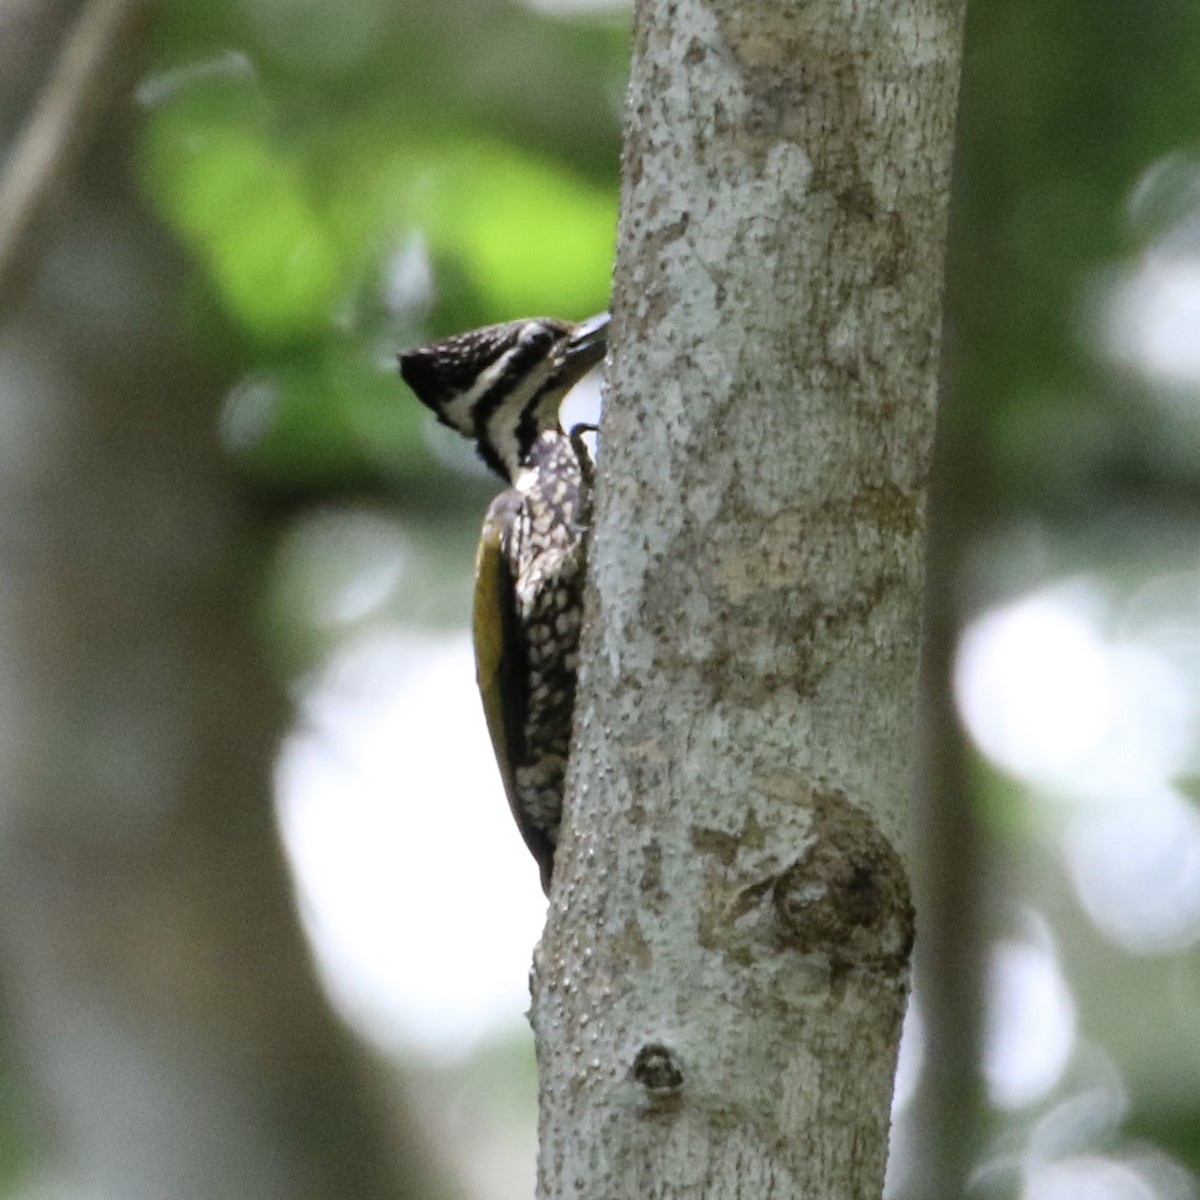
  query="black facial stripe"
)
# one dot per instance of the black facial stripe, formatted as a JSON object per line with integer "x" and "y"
{"x": 441, "y": 370}
{"x": 524, "y": 359}
{"x": 487, "y": 452}
{"x": 527, "y": 425}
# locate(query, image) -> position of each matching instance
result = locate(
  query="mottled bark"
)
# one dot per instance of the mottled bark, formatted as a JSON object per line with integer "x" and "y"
{"x": 719, "y": 991}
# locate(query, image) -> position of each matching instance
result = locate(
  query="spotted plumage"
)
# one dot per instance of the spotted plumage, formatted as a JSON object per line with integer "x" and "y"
{"x": 502, "y": 386}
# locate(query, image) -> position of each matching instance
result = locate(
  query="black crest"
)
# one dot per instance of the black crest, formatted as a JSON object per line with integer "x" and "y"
{"x": 441, "y": 371}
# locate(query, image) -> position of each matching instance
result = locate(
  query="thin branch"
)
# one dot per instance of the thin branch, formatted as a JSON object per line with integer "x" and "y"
{"x": 51, "y": 144}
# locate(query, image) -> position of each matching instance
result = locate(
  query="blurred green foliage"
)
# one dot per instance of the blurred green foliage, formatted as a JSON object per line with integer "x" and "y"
{"x": 1064, "y": 107}
{"x": 344, "y": 190}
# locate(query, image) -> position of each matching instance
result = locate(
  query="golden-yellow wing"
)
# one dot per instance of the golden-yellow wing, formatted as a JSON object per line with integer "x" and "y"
{"x": 501, "y": 659}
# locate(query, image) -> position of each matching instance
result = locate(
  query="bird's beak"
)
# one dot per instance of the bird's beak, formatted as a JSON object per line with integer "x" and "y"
{"x": 588, "y": 344}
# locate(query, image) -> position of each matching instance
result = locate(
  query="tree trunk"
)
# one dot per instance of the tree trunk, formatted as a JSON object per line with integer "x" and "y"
{"x": 719, "y": 991}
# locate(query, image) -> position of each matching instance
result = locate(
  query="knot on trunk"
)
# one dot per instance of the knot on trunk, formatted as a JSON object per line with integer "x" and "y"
{"x": 847, "y": 896}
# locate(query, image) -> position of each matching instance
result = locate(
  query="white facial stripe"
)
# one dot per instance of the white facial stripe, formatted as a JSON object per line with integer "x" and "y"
{"x": 502, "y": 426}
{"x": 504, "y": 422}
{"x": 458, "y": 410}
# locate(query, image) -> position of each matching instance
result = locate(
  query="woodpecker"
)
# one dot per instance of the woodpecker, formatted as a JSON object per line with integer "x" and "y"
{"x": 502, "y": 386}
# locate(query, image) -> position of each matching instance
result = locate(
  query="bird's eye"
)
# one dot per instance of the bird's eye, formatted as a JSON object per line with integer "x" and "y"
{"x": 537, "y": 335}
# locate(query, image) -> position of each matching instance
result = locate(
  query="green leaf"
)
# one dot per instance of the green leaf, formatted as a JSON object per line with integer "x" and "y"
{"x": 242, "y": 207}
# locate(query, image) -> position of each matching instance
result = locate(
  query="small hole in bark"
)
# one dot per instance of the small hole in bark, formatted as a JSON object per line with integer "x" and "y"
{"x": 656, "y": 1070}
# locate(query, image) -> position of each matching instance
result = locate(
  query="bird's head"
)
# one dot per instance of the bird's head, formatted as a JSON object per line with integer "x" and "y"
{"x": 502, "y": 385}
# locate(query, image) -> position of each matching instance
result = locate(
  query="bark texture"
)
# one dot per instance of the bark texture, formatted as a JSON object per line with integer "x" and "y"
{"x": 719, "y": 991}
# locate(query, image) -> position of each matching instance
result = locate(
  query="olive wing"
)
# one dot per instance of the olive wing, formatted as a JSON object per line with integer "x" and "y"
{"x": 501, "y": 658}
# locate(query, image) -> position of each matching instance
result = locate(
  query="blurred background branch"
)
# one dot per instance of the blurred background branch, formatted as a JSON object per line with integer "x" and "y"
{"x": 96, "y": 58}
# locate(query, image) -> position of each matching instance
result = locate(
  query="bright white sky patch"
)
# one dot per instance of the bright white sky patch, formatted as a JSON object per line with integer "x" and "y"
{"x": 1048, "y": 697}
{"x": 1033, "y": 686}
{"x": 1107, "y": 724}
{"x": 1095, "y": 1177}
{"x": 912, "y": 1056}
{"x": 1136, "y": 869}
{"x": 421, "y": 900}
{"x": 583, "y": 402}
{"x": 1087, "y": 1178}
{"x": 1151, "y": 318}
{"x": 1030, "y": 1025}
